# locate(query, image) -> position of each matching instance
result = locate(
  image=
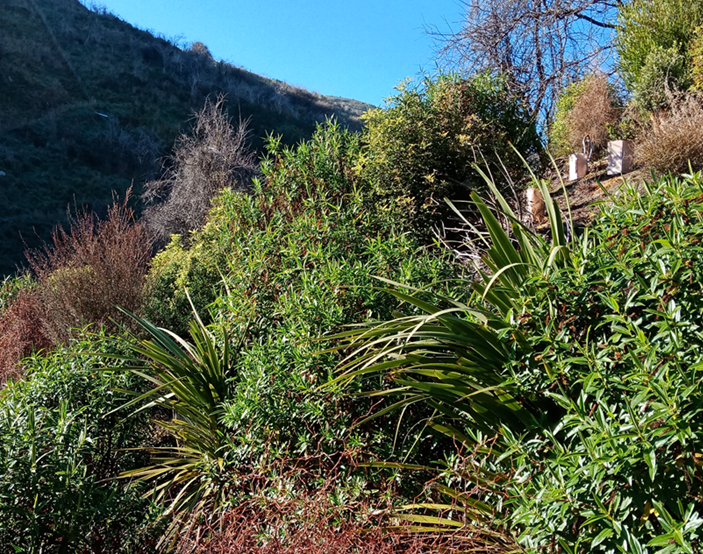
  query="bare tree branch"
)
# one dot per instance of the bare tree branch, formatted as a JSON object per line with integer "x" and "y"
{"x": 542, "y": 45}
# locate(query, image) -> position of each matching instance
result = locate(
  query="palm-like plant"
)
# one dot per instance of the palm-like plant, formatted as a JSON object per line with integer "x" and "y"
{"x": 192, "y": 380}
{"x": 453, "y": 356}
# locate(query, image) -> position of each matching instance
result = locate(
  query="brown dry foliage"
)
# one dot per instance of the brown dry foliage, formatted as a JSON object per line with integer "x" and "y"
{"x": 274, "y": 520}
{"x": 290, "y": 527}
{"x": 91, "y": 269}
{"x": 313, "y": 525}
{"x": 216, "y": 155}
{"x": 22, "y": 332}
{"x": 593, "y": 111}
{"x": 674, "y": 138}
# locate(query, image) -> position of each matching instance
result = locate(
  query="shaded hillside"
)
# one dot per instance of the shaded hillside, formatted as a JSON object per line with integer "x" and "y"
{"x": 88, "y": 103}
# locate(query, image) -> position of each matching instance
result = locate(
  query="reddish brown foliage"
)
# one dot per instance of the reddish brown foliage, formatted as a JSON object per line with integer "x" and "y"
{"x": 275, "y": 520}
{"x": 310, "y": 526}
{"x": 21, "y": 333}
{"x": 90, "y": 270}
{"x": 593, "y": 111}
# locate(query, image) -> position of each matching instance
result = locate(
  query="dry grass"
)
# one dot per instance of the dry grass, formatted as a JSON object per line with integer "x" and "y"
{"x": 309, "y": 526}
{"x": 674, "y": 138}
{"x": 90, "y": 270}
{"x": 314, "y": 525}
{"x": 592, "y": 112}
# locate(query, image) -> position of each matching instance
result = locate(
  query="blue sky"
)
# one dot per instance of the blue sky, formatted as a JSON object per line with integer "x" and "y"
{"x": 356, "y": 49}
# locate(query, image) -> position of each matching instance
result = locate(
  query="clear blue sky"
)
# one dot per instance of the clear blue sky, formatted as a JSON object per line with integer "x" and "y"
{"x": 356, "y": 49}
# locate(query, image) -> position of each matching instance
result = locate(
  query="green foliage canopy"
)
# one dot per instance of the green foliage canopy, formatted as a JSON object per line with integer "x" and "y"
{"x": 653, "y": 40}
{"x": 422, "y": 146}
{"x": 277, "y": 268}
{"x": 60, "y": 452}
{"x": 592, "y": 365}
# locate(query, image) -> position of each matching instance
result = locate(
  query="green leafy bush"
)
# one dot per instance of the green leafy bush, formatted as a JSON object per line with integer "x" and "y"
{"x": 59, "y": 453}
{"x": 664, "y": 72}
{"x": 616, "y": 346}
{"x": 290, "y": 262}
{"x": 559, "y": 139}
{"x": 696, "y": 52}
{"x": 177, "y": 268}
{"x": 422, "y": 146}
{"x": 573, "y": 381}
{"x": 11, "y": 287}
{"x": 653, "y": 38}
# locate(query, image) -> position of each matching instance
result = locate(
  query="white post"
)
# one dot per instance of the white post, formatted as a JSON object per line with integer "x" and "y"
{"x": 578, "y": 166}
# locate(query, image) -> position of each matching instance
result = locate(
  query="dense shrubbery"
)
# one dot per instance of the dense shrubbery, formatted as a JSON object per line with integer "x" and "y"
{"x": 421, "y": 148}
{"x": 89, "y": 270}
{"x": 60, "y": 445}
{"x": 586, "y": 416}
{"x": 568, "y": 381}
{"x": 292, "y": 261}
{"x": 653, "y": 42}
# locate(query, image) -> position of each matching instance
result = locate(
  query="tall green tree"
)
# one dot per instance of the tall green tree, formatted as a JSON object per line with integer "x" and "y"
{"x": 653, "y": 41}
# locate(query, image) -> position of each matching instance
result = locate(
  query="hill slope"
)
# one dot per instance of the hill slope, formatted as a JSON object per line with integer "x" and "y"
{"x": 89, "y": 103}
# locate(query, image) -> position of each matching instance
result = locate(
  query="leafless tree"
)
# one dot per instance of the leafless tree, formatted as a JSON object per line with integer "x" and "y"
{"x": 542, "y": 45}
{"x": 216, "y": 155}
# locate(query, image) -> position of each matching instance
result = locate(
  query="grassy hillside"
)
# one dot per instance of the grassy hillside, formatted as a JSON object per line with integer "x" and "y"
{"x": 89, "y": 104}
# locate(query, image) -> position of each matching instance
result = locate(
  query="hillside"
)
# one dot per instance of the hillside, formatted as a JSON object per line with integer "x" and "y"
{"x": 90, "y": 103}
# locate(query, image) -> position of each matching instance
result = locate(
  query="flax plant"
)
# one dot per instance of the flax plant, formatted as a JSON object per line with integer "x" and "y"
{"x": 455, "y": 357}
{"x": 191, "y": 380}
{"x": 452, "y": 355}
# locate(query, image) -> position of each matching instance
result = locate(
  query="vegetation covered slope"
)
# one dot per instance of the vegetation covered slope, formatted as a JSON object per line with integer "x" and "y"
{"x": 89, "y": 104}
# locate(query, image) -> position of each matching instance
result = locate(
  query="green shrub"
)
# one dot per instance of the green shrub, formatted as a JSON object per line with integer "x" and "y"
{"x": 295, "y": 260}
{"x": 559, "y": 139}
{"x": 653, "y": 39}
{"x": 575, "y": 386}
{"x": 616, "y": 347}
{"x": 422, "y": 146}
{"x": 11, "y": 287}
{"x": 59, "y": 453}
{"x": 696, "y": 53}
{"x": 178, "y": 268}
{"x": 664, "y": 72}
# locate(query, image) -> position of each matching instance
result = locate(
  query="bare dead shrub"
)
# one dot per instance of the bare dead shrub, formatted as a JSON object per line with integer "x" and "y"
{"x": 200, "y": 48}
{"x": 22, "y": 332}
{"x": 593, "y": 111}
{"x": 215, "y": 156}
{"x": 674, "y": 138}
{"x": 90, "y": 270}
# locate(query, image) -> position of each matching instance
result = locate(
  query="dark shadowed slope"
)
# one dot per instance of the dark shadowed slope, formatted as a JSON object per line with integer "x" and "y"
{"x": 89, "y": 103}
